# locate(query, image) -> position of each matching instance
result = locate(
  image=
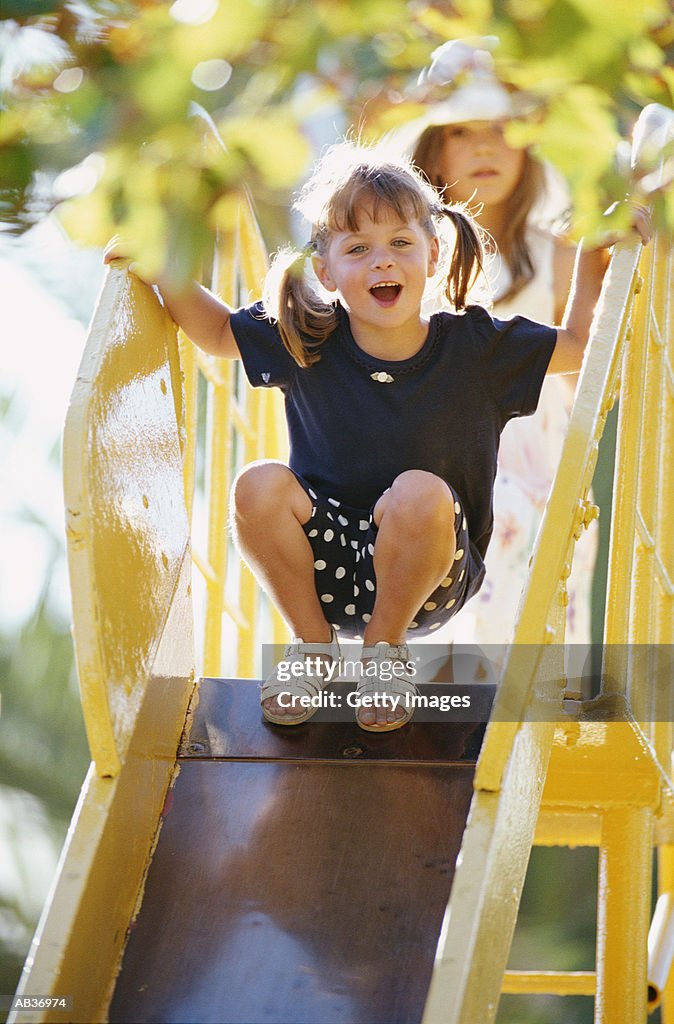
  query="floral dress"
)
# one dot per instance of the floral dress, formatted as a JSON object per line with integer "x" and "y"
{"x": 528, "y": 458}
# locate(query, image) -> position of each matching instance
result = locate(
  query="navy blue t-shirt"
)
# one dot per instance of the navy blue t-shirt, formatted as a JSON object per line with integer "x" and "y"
{"x": 356, "y": 422}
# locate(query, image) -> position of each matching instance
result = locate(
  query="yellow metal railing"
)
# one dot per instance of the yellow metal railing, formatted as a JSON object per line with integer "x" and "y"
{"x": 228, "y": 426}
{"x": 602, "y": 775}
{"x": 644, "y": 520}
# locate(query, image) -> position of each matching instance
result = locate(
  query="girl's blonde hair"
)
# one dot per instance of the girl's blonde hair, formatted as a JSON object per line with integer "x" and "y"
{"x": 530, "y": 190}
{"x": 347, "y": 178}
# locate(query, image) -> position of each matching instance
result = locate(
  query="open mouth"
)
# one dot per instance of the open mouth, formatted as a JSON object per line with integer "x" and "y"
{"x": 386, "y": 292}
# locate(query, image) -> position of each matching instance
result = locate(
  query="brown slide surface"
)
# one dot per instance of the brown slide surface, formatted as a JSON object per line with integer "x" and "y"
{"x": 301, "y": 874}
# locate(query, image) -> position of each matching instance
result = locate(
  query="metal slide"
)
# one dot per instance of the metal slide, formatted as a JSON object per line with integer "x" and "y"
{"x": 301, "y": 874}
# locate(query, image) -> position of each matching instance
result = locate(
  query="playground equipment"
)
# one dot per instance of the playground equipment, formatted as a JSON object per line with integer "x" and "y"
{"x": 219, "y": 869}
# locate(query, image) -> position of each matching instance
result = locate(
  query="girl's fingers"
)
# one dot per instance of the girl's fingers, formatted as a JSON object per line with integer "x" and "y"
{"x": 642, "y": 222}
{"x": 118, "y": 249}
{"x": 111, "y": 251}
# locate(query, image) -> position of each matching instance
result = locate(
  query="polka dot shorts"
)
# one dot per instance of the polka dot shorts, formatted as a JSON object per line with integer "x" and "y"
{"x": 343, "y": 539}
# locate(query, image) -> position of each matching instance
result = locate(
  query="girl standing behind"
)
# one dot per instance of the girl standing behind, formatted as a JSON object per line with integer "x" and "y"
{"x": 464, "y": 154}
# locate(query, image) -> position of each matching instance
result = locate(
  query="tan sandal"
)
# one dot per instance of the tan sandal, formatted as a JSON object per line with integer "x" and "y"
{"x": 400, "y": 686}
{"x": 308, "y": 684}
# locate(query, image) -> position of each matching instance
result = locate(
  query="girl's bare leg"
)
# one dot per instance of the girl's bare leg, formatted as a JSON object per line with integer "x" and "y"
{"x": 268, "y": 510}
{"x": 413, "y": 553}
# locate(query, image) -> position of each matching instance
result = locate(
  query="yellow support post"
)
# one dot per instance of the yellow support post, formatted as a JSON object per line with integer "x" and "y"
{"x": 241, "y": 426}
{"x": 623, "y": 915}
{"x": 219, "y": 454}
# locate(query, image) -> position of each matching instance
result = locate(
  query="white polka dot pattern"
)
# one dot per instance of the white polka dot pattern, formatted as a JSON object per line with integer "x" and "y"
{"x": 344, "y": 545}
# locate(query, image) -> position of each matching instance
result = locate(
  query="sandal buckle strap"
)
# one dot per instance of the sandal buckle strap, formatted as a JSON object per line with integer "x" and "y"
{"x": 382, "y": 651}
{"x": 306, "y": 684}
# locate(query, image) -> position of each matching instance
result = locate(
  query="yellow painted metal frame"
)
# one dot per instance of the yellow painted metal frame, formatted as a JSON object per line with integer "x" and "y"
{"x": 130, "y": 566}
{"x": 593, "y": 782}
{"x": 243, "y": 425}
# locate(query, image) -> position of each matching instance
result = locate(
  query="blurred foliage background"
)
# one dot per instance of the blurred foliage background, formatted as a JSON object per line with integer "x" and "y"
{"x": 96, "y": 89}
{"x": 95, "y": 128}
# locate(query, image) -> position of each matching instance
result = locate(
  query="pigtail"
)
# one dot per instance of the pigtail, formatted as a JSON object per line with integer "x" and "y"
{"x": 467, "y": 260}
{"x": 295, "y": 306}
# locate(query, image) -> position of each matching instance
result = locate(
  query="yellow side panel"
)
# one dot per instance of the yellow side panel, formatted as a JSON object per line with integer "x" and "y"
{"x": 130, "y": 569}
{"x": 80, "y": 939}
{"x": 126, "y": 519}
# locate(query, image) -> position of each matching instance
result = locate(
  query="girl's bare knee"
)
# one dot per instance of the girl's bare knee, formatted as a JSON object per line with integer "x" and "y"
{"x": 257, "y": 486}
{"x": 422, "y": 497}
{"x": 263, "y": 488}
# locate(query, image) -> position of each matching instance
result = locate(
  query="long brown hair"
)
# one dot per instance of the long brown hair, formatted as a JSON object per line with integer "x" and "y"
{"x": 530, "y": 189}
{"x": 348, "y": 177}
